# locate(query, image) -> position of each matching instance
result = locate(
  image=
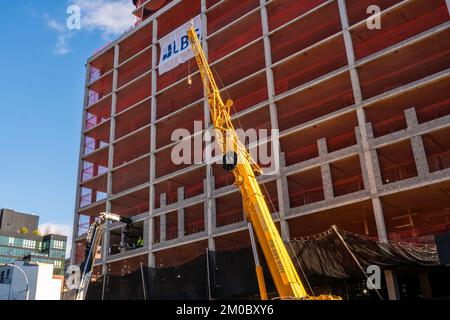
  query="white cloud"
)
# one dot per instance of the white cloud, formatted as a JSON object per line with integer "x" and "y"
{"x": 61, "y": 229}
{"x": 62, "y": 46}
{"x": 53, "y": 24}
{"x": 111, "y": 17}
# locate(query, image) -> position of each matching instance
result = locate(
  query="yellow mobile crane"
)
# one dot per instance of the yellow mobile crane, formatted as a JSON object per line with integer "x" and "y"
{"x": 238, "y": 160}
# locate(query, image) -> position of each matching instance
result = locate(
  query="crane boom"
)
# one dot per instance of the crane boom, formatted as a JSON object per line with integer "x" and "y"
{"x": 282, "y": 269}
{"x": 93, "y": 240}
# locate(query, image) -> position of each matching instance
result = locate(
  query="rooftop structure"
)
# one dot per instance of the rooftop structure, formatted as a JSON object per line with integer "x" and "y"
{"x": 20, "y": 239}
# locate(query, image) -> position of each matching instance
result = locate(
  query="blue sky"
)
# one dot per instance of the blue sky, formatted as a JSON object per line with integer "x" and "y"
{"x": 41, "y": 94}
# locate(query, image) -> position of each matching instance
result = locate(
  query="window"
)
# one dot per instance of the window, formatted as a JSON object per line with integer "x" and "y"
{"x": 57, "y": 254}
{"x": 11, "y": 241}
{"x": 8, "y": 273}
{"x": 57, "y": 244}
{"x": 57, "y": 264}
{"x": 31, "y": 244}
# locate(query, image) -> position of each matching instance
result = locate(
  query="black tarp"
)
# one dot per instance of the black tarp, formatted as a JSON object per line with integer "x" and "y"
{"x": 232, "y": 275}
{"x": 325, "y": 254}
{"x": 323, "y": 259}
{"x": 186, "y": 282}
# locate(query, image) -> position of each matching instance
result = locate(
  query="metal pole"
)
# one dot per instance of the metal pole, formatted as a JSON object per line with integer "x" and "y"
{"x": 27, "y": 295}
{"x": 353, "y": 257}
{"x": 259, "y": 270}
{"x": 208, "y": 274}
{"x": 144, "y": 287}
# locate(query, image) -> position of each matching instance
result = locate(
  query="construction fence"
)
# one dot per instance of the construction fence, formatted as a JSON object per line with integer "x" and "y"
{"x": 327, "y": 263}
{"x": 213, "y": 275}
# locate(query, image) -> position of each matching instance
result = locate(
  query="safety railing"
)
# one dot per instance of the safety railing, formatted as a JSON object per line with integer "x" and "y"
{"x": 421, "y": 235}
{"x": 304, "y": 197}
{"x": 92, "y": 171}
{"x": 193, "y": 190}
{"x": 82, "y": 228}
{"x": 399, "y": 172}
{"x": 93, "y": 120}
{"x": 302, "y": 154}
{"x": 91, "y": 145}
{"x": 194, "y": 227}
{"x": 85, "y": 200}
{"x": 435, "y": 111}
{"x": 94, "y": 74}
{"x": 227, "y": 219}
{"x": 93, "y": 97}
{"x": 342, "y": 141}
{"x": 90, "y": 198}
{"x": 347, "y": 186}
{"x": 171, "y": 233}
{"x": 389, "y": 126}
{"x": 135, "y": 210}
{"x": 439, "y": 161}
{"x": 156, "y": 237}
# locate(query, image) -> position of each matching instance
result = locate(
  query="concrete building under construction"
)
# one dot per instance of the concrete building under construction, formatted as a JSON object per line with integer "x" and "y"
{"x": 363, "y": 114}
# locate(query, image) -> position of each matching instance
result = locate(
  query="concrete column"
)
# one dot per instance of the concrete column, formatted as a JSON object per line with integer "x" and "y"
{"x": 210, "y": 211}
{"x": 370, "y": 157}
{"x": 281, "y": 181}
{"x": 212, "y": 225}
{"x": 76, "y": 217}
{"x": 325, "y": 170}
{"x": 149, "y": 226}
{"x": 364, "y": 173}
{"x": 411, "y": 118}
{"x": 162, "y": 200}
{"x": 379, "y": 219}
{"x": 153, "y": 108}
{"x": 151, "y": 260}
{"x": 327, "y": 182}
{"x": 420, "y": 156}
{"x": 122, "y": 240}
{"x": 285, "y": 232}
{"x": 425, "y": 285}
{"x": 283, "y": 189}
{"x": 283, "y": 200}
{"x": 323, "y": 148}
{"x": 162, "y": 227}
{"x": 112, "y": 132}
{"x": 148, "y": 223}
{"x": 369, "y": 130}
{"x": 181, "y": 230}
{"x": 106, "y": 237}
{"x": 180, "y": 213}
{"x": 417, "y": 146}
{"x": 392, "y": 285}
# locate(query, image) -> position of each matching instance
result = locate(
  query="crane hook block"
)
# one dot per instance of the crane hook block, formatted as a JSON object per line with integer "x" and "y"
{"x": 230, "y": 161}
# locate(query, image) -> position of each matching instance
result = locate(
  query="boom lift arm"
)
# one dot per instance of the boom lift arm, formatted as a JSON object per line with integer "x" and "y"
{"x": 93, "y": 240}
{"x": 238, "y": 160}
